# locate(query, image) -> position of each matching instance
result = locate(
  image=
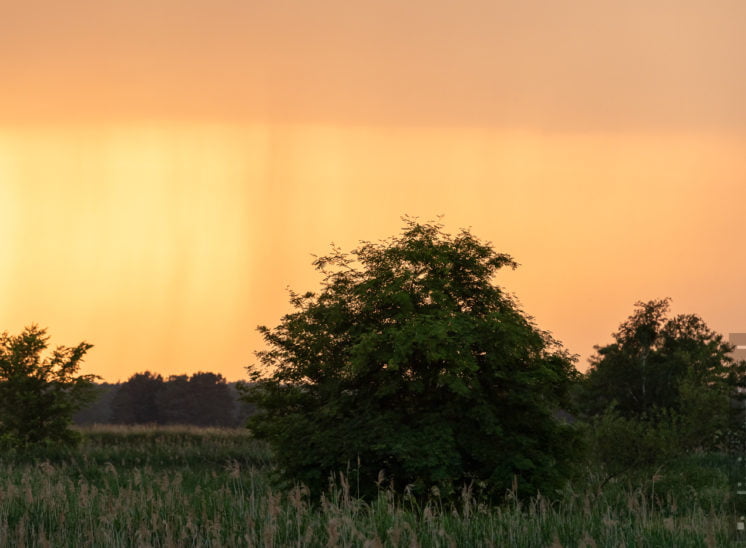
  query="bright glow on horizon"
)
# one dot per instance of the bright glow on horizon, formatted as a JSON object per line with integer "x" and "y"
{"x": 165, "y": 246}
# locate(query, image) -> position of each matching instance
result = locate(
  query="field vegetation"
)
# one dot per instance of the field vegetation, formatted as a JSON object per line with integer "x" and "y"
{"x": 187, "y": 486}
{"x": 409, "y": 402}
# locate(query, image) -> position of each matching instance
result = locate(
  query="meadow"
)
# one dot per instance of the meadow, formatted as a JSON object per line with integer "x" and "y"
{"x": 186, "y": 486}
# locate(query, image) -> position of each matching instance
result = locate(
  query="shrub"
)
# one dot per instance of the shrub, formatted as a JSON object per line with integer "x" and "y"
{"x": 38, "y": 395}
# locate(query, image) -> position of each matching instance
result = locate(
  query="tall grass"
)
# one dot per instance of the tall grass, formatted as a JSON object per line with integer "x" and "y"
{"x": 208, "y": 487}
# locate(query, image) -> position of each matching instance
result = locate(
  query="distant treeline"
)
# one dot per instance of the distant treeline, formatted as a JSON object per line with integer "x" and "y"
{"x": 203, "y": 399}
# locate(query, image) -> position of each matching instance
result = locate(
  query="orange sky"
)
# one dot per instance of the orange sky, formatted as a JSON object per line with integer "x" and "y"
{"x": 168, "y": 168}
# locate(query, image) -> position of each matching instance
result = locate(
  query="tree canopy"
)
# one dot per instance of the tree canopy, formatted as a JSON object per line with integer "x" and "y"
{"x": 202, "y": 399}
{"x": 673, "y": 373}
{"x": 654, "y": 358}
{"x": 38, "y": 395}
{"x": 410, "y": 364}
{"x": 136, "y": 401}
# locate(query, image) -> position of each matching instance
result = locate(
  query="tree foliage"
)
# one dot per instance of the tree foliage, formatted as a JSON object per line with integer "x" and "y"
{"x": 410, "y": 364}
{"x": 664, "y": 373}
{"x": 38, "y": 395}
{"x": 202, "y": 399}
{"x": 136, "y": 401}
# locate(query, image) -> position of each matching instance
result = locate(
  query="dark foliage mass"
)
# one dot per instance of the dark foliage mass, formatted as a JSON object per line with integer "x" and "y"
{"x": 664, "y": 387}
{"x": 39, "y": 394}
{"x": 411, "y": 365}
{"x": 655, "y": 362}
{"x": 136, "y": 400}
{"x": 202, "y": 399}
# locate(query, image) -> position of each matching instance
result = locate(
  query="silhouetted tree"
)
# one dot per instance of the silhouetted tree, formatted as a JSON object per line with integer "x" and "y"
{"x": 411, "y": 362}
{"x": 211, "y": 401}
{"x": 38, "y": 395}
{"x": 136, "y": 401}
{"x": 202, "y": 400}
{"x": 175, "y": 401}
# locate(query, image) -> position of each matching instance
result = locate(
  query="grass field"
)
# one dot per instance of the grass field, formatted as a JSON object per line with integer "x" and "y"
{"x": 138, "y": 486}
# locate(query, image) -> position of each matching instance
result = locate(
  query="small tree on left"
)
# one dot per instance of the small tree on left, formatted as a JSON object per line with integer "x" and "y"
{"x": 39, "y": 394}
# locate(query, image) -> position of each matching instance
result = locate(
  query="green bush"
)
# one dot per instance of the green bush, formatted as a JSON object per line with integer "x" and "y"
{"x": 38, "y": 395}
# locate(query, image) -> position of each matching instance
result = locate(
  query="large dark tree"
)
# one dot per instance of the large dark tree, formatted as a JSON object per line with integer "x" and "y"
{"x": 39, "y": 394}
{"x": 411, "y": 363}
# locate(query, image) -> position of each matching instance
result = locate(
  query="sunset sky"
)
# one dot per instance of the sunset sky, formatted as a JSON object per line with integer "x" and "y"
{"x": 168, "y": 167}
